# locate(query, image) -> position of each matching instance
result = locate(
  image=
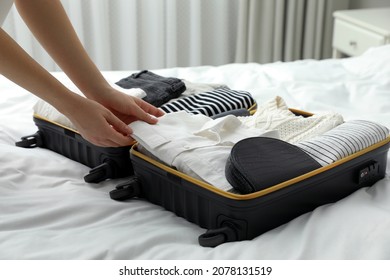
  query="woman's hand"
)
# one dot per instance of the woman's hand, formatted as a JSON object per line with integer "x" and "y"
{"x": 127, "y": 108}
{"x": 106, "y": 123}
{"x": 96, "y": 123}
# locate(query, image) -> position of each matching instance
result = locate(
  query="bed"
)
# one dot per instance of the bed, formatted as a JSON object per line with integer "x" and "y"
{"x": 48, "y": 211}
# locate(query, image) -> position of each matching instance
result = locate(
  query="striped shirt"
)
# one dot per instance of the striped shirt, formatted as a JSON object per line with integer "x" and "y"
{"x": 344, "y": 140}
{"x": 212, "y": 102}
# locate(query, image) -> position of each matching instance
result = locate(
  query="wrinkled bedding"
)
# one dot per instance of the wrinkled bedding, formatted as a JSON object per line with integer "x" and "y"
{"x": 47, "y": 211}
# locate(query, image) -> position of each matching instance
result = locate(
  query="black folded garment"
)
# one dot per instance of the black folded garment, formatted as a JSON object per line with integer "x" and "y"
{"x": 257, "y": 163}
{"x": 159, "y": 90}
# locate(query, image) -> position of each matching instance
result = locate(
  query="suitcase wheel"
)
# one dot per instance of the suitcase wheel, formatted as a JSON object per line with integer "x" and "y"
{"x": 126, "y": 190}
{"x": 30, "y": 141}
{"x": 215, "y": 237}
{"x": 100, "y": 172}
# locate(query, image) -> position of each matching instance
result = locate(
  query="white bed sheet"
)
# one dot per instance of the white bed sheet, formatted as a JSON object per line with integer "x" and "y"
{"x": 47, "y": 211}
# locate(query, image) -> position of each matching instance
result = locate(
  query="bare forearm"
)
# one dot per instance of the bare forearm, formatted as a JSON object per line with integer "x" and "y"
{"x": 49, "y": 23}
{"x": 19, "y": 67}
{"x": 103, "y": 122}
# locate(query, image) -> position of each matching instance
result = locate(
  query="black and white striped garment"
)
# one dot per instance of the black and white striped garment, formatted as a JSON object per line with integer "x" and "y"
{"x": 344, "y": 140}
{"x": 211, "y": 103}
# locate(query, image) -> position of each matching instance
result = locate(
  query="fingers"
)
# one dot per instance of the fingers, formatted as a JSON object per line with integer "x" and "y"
{"x": 116, "y": 140}
{"x": 108, "y": 127}
{"x": 119, "y": 132}
{"x": 113, "y": 139}
{"x": 119, "y": 141}
{"x": 142, "y": 115}
{"x": 149, "y": 108}
{"x": 147, "y": 112}
{"x": 118, "y": 125}
{"x": 111, "y": 132}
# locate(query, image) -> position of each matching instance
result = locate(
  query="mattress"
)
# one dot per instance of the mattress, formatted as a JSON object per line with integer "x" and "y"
{"x": 48, "y": 211}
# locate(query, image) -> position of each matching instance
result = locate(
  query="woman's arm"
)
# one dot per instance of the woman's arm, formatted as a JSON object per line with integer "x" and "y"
{"x": 49, "y": 23}
{"x": 103, "y": 117}
{"x": 51, "y": 26}
{"x": 94, "y": 122}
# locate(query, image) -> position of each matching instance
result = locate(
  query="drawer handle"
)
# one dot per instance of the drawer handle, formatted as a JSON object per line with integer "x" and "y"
{"x": 352, "y": 43}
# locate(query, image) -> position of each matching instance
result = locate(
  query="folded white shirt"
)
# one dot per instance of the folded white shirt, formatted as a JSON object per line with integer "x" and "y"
{"x": 195, "y": 144}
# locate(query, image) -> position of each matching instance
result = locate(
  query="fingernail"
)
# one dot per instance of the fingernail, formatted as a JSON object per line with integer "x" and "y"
{"x": 153, "y": 117}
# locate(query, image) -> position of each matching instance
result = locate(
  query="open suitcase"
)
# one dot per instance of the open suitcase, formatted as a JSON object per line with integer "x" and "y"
{"x": 226, "y": 216}
{"x": 105, "y": 163}
{"x": 229, "y": 216}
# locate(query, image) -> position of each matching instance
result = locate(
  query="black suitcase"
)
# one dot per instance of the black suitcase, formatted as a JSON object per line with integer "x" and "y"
{"x": 105, "y": 163}
{"x": 233, "y": 217}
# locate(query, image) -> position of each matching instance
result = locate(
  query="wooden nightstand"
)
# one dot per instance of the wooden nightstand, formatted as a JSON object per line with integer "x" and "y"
{"x": 357, "y": 30}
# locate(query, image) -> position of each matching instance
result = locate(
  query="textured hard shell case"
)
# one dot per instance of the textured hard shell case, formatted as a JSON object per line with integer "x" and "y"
{"x": 233, "y": 217}
{"x": 106, "y": 163}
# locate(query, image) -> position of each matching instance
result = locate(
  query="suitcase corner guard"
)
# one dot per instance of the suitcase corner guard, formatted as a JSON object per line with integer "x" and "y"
{"x": 100, "y": 172}
{"x": 30, "y": 141}
{"x": 126, "y": 190}
{"x": 214, "y": 237}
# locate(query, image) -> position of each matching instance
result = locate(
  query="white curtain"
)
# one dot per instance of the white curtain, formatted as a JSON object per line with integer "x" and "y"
{"x": 152, "y": 34}
{"x": 144, "y": 34}
{"x": 285, "y": 30}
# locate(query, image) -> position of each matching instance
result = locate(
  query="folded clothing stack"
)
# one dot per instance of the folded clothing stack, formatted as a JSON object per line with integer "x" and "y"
{"x": 344, "y": 140}
{"x": 212, "y": 103}
{"x": 173, "y": 95}
{"x": 159, "y": 90}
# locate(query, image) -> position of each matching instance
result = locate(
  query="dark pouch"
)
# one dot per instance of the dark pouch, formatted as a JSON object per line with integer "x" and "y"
{"x": 257, "y": 163}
